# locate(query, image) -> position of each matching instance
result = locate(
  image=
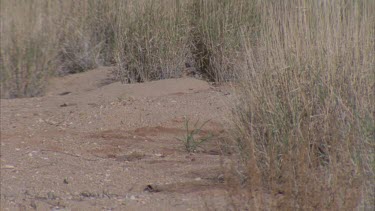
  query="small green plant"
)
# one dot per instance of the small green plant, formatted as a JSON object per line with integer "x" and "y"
{"x": 190, "y": 140}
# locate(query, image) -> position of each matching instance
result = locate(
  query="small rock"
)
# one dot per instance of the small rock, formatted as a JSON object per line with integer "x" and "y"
{"x": 133, "y": 198}
{"x": 221, "y": 178}
{"x": 33, "y": 205}
{"x": 151, "y": 189}
{"x": 64, "y": 93}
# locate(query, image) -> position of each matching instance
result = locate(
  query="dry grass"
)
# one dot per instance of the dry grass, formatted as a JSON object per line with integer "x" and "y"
{"x": 27, "y": 49}
{"x": 40, "y": 38}
{"x": 150, "y": 40}
{"x": 305, "y": 119}
{"x": 145, "y": 39}
{"x": 215, "y": 34}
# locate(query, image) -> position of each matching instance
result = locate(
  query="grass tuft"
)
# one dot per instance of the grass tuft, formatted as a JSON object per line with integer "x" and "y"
{"x": 190, "y": 141}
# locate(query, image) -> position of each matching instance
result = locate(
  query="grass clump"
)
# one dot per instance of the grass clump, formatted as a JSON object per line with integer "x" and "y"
{"x": 41, "y": 38}
{"x": 305, "y": 117}
{"x": 146, "y": 40}
{"x": 150, "y": 40}
{"x": 27, "y": 50}
{"x": 190, "y": 141}
{"x": 215, "y": 31}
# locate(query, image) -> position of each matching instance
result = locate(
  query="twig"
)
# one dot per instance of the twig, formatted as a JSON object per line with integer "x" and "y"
{"x": 70, "y": 154}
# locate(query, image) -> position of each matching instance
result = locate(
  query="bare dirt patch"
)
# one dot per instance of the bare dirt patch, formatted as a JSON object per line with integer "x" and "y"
{"x": 89, "y": 145}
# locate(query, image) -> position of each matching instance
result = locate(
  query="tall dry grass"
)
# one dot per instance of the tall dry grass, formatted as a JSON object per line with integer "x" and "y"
{"x": 27, "y": 49}
{"x": 306, "y": 114}
{"x": 145, "y": 39}
{"x": 40, "y": 38}
{"x": 150, "y": 39}
{"x": 215, "y": 34}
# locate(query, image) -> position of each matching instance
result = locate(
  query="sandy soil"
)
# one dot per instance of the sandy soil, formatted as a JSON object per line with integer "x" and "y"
{"x": 91, "y": 144}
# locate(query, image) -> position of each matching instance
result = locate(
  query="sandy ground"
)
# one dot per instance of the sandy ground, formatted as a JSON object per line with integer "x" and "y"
{"x": 90, "y": 144}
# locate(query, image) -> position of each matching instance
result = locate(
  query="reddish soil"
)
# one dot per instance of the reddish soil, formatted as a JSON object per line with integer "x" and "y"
{"x": 90, "y": 144}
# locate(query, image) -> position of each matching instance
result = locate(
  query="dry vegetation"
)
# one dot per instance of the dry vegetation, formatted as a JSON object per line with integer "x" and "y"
{"x": 306, "y": 112}
{"x": 306, "y": 117}
{"x": 146, "y": 40}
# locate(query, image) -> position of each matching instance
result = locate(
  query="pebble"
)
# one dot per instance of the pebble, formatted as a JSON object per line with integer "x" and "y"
{"x": 133, "y": 197}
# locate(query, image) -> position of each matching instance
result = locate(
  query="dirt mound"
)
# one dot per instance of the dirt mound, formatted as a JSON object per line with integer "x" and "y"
{"x": 80, "y": 82}
{"x": 98, "y": 84}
